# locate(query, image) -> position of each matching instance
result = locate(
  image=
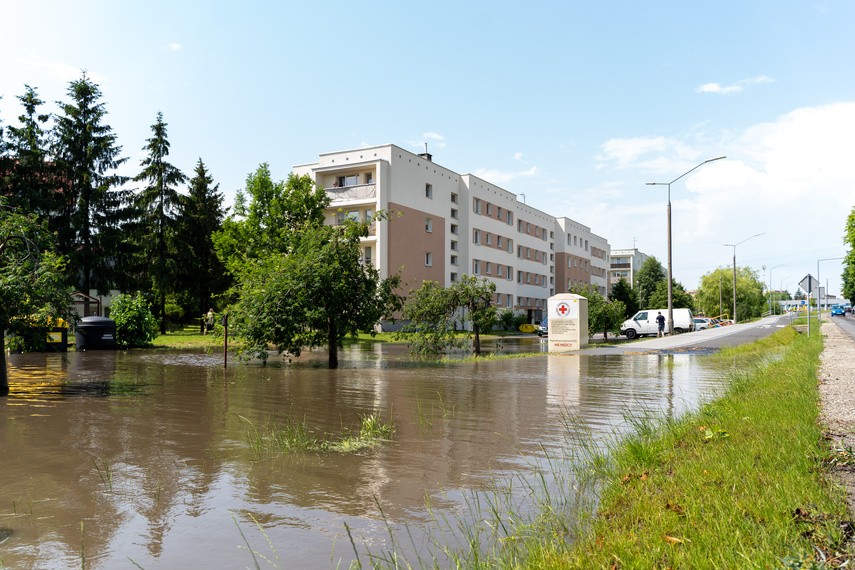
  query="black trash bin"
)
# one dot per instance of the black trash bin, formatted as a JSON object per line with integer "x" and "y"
{"x": 96, "y": 333}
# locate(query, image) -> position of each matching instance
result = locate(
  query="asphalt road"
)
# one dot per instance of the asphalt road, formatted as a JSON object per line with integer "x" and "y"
{"x": 846, "y": 324}
{"x": 707, "y": 340}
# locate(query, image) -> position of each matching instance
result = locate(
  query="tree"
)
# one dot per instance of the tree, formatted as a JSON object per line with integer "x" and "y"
{"x": 648, "y": 277}
{"x": 135, "y": 325}
{"x": 93, "y": 211}
{"x": 33, "y": 288}
{"x": 622, "y": 291}
{"x": 679, "y": 298}
{"x": 603, "y": 315}
{"x": 433, "y": 312}
{"x": 201, "y": 215}
{"x": 750, "y": 300}
{"x": 316, "y": 294}
{"x": 157, "y": 205}
{"x": 849, "y": 260}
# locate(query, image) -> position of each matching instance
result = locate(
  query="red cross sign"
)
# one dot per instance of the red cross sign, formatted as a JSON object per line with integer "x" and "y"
{"x": 563, "y": 309}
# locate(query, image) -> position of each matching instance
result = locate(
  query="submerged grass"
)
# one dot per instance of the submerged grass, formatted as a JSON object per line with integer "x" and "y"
{"x": 293, "y": 435}
{"x": 740, "y": 483}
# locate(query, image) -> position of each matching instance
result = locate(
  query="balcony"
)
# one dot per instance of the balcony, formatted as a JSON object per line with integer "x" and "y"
{"x": 620, "y": 266}
{"x": 352, "y": 193}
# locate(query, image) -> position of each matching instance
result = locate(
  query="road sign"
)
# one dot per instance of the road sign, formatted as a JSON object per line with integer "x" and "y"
{"x": 808, "y": 283}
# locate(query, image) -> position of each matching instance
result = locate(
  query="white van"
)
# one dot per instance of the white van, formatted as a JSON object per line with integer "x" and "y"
{"x": 644, "y": 322}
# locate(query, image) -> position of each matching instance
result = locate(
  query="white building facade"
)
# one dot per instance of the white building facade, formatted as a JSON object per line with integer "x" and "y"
{"x": 442, "y": 225}
{"x": 625, "y": 263}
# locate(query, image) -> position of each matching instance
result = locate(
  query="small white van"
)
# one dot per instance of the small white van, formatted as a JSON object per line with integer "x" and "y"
{"x": 644, "y": 322}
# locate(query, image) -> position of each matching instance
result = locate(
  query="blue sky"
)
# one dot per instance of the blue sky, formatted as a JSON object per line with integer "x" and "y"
{"x": 576, "y": 105}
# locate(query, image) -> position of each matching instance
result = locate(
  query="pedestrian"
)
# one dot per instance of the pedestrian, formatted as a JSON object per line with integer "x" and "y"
{"x": 660, "y": 320}
{"x": 209, "y": 320}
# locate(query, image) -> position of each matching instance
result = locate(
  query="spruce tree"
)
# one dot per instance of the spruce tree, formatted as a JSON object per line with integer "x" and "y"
{"x": 93, "y": 208}
{"x": 157, "y": 205}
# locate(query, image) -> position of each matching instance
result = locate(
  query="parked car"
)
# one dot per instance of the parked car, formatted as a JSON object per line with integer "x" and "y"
{"x": 837, "y": 311}
{"x": 702, "y": 323}
{"x": 543, "y": 328}
{"x": 644, "y": 322}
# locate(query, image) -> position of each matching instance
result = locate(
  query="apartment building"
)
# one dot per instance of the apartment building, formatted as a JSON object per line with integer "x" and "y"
{"x": 625, "y": 263}
{"x": 443, "y": 225}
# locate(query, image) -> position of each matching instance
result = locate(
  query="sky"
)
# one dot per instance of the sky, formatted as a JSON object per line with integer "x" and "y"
{"x": 574, "y": 106}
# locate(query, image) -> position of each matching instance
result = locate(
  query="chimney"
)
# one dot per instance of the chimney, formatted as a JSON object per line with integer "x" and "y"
{"x": 426, "y": 155}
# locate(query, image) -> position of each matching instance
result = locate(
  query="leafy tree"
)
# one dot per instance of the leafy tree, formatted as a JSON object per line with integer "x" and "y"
{"x": 266, "y": 215}
{"x": 648, "y": 277}
{"x": 316, "y": 294}
{"x": 603, "y": 315}
{"x": 157, "y": 205}
{"x": 202, "y": 273}
{"x": 622, "y": 291}
{"x": 93, "y": 212}
{"x": 433, "y": 311}
{"x": 135, "y": 325}
{"x": 750, "y": 300}
{"x": 679, "y": 298}
{"x": 849, "y": 260}
{"x": 33, "y": 289}
{"x": 509, "y": 319}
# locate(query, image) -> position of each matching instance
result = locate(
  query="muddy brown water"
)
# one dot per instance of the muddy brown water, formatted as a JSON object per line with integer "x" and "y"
{"x": 140, "y": 458}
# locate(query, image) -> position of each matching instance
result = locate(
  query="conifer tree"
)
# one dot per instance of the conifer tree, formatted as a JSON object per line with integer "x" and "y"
{"x": 157, "y": 205}
{"x": 93, "y": 208}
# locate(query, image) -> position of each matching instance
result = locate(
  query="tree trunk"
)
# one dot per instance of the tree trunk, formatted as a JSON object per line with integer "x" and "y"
{"x": 162, "y": 312}
{"x": 332, "y": 334}
{"x": 477, "y": 341}
{"x": 4, "y": 375}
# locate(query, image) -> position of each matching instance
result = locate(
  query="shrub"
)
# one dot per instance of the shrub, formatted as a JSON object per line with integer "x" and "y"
{"x": 135, "y": 325}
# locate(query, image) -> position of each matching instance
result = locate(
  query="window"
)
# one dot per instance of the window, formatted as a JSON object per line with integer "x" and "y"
{"x": 528, "y": 277}
{"x": 454, "y": 213}
{"x": 574, "y": 241}
{"x": 527, "y": 253}
{"x": 453, "y": 246}
{"x": 428, "y": 191}
{"x": 499, "y": 242}
{"x": 537, "y": 256}
{"x": 367, "y": 254}
{"x": 498, "y": 299}
{"x": 369, "y": 177}
{"x": 453, "y": 198}
{"x": 569, "y": 241}
{"x": 510, "y": 275}
{"x": 519, "y": 276}
{"x": 552, "y": 246}
{"x": 519, "y": 225}
{"x": 527, "y": 228}
{"x": 454, "y": 229}
{"x": 428, "y": 225}
{"x": 536, "y": 231}
{"x": 488, "y": 267}
{"x": 476, "y": 205}
{"x": 510, "y": 300}
{"x": 476, "y": 267}
{"x": 489, "y": 209}
{"x": 519, "y": 251}
{"x": 551, "y": 257}
{"x": 510, "y": 245}
{"x": 551, "y": 235}
{"x": 454, "y": 277}
{"x": 428, "y": 259}
{"x": 489, "y": 238}
{"x": 510, "y": 218}
{"x": 477, "y": 237}
{"x": 453, "y": 260}
{"x": 499, "y": 212}
{"x": 351, "y": 180}
{"x": 586, "y": 245}
{"x": 369, "y": 214}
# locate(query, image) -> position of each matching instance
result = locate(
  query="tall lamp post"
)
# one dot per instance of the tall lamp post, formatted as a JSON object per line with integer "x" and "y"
{"x": 670, "y": 288}
{"x": 733, "y": 245}
{"x": 773, "y": 312}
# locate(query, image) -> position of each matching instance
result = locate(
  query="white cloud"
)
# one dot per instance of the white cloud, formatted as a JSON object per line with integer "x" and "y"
{"x": 656, "y": 154}
{"x": 173, "y": 46}
{"x": 736, "y": 87}
{"x": 518, "y": 156}
{"x": 435, "y": 140}
{"x": 500, "y": 177}
{"x": 59, "y": 71}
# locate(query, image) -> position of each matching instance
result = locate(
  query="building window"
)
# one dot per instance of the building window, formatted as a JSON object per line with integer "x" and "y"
{"x": 453, "y": 246}
{"x": 528, "y": 277}
{"x": 369, "y": 177}
{"x": 476, "y": 205}
{"x": 488, "y": 267}
{"x": 454, "y": 213}
{"x": 454, "y": 229}
{"x": 367, "y": 255}
{"x": 510, "y": 218}
{"x": 510, "y": 245}
{"x": 369, "y": 214}
{"x": 551, "y": 235}
{"x": 351, "y": 180}
{"x": 551, "y": 257}
{"x": 552, "y": 246}
{"x": 498, "y": 299}
{"x": 499, "y": 242}
{"x": 519, "y": 225}
{"x": 510, "y": 300}
{"x": 428, "y": 191}
{"x": 527, "y": 253}
{"x": 586, "y": 245}
{"x": 476, "y": 267}
{"x": 453, "y": 198}
{"x": 453, "y": 277}
{"x": 519, "y": 276}
{"x": 428, "y": 259}
{"x": 536, "y": 231}
{"x": 428, "y": 225}
{"x": 519, "y": 251}
{"x": 476, "y": 237}
{"x": 499, "y": 212}
{"x": 510, "y": 274}
{"x": 453, "y": 260}
{"x": 527, "y": 228}
{"x": 489, "y": 209}
{"x": 489, "y": 238}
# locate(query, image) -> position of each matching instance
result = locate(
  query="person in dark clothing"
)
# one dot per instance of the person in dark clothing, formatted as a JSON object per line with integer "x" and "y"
{"x": 660, "y": 320}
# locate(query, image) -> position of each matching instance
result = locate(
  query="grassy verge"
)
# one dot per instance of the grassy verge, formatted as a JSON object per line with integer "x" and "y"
{"x": 188, "y": 337}
{"x": 738, "y": 484}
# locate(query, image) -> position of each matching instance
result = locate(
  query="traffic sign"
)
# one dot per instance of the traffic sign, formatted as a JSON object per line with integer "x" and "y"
{"x": 808, "y": 283}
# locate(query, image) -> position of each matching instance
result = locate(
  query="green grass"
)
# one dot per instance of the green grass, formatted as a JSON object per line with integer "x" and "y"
{"x": 188, "y": 337}
{"x": 738, "y": 484}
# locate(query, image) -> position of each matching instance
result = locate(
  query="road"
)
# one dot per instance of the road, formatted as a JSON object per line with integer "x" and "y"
{"x": 846, "y": 324}
{"x": 707, "y": 340}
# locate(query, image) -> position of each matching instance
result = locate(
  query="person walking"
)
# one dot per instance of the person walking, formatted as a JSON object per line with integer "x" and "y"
{"x": 660, "y": 320}
{"x": 209, "y": 321}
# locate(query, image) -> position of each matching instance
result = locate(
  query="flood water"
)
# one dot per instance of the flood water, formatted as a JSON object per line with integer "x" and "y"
{"x": 140, "y": 458}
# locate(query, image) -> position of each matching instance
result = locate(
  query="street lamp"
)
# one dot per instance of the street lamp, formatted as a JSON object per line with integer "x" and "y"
{"x": 770, "y": 287}
{"x": 780, "y": 286}
{"x": 733, "y": 245}
{"x": 670, "y": 289}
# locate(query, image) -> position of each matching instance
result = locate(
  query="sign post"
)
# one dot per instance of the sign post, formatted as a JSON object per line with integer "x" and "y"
{"x": 568, "y": 322}
{"x": 807, "y": 284}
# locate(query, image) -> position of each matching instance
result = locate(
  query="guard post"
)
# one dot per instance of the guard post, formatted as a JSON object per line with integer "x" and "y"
{"x": 568, "y": 322}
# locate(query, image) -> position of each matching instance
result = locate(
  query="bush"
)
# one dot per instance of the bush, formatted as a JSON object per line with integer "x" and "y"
{"x": 135, "y": 325}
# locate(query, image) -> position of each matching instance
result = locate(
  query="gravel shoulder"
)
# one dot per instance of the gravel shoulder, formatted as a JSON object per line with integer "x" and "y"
{"x": 837, "y": 396}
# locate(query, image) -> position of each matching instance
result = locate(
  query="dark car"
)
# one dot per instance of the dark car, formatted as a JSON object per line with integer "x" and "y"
{"x": 543, "y": 328}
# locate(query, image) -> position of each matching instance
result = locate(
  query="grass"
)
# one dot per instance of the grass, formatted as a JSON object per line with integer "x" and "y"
{"x": 293, "y": 435}
{"x": 188, "y": 337}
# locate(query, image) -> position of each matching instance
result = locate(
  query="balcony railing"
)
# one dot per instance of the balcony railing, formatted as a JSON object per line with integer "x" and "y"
{"x": 351, "y": 193}
{"x": 620, "y": 266}
{"x": 372, "y": 226}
